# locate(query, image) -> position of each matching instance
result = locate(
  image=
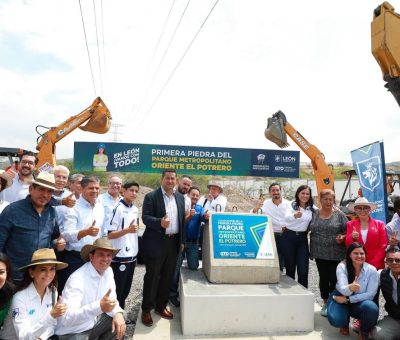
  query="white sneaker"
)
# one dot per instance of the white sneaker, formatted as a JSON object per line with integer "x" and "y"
{"x": 324, "y": 311}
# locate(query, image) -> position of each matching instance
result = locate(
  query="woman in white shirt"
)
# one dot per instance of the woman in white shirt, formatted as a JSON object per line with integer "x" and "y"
{"x": 35, "y": 307}
{"x": 294, "y": 240}
{"x": 357, "y": 284}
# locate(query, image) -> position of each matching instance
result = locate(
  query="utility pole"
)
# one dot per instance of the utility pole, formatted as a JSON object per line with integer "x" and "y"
{"x": 115, "y": 132}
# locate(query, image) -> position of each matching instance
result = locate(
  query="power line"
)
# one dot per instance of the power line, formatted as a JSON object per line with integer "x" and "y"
{"x": 98, "y": 46}
{"x": 163, "y": 57}
{"x": 177, "y": 65}
{"x": 152, "y": 58}
{"x": 87, "y": 49}
{"x": 104, "y": 48}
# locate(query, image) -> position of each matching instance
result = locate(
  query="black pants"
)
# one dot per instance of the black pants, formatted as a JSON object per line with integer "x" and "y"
{"x": 73, "y": 258}
{"x": 123, "y": 275}
{"x": 327, "y": 276}
{"x": 102, "y": 330}
{"x": 296, "y": 255}
{"x": 159, "y": 272}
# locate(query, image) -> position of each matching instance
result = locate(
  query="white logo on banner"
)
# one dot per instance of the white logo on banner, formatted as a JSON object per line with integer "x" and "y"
{"x": 369, "y": 173}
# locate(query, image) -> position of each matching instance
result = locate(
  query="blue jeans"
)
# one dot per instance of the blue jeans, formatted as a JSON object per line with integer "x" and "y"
{"x": 339, "y": 313}
{"x": 296, "y": 255}
{"x": 192, "y": 256}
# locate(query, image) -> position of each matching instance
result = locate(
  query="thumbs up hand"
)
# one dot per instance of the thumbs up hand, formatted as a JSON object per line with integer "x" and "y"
{"x": 93, "y": 230}
{"x": 165, "y": 222}
{"x": 393, "y": 239}
{"x": 355, "y": 233}
{"x": 69, "y": 201}
{"x": 60, "y": 243}
{"x": 355, "y": 286}
{"x": 133, "y": 227}
{"x": 59, "y": 309}
{"x": 107, "y": 303}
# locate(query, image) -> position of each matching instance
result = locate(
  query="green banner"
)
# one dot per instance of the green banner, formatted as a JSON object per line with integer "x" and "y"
{"x": 124, "y": 157}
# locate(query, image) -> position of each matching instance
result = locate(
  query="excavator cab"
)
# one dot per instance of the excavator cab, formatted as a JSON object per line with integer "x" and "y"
{"x": 385, "y": 46}
{"x": 275, "y": 131}
{"x": 100, "y": 119}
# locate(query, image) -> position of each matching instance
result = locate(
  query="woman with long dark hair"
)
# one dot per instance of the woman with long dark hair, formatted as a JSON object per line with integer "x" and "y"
{"x": 35, "y": 307}
{"x": 7, "y": 287}
{"x": 294, "y": 240}
{"x": 357, "y": 284}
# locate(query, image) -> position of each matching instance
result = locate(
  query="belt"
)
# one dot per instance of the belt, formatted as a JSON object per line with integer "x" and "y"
{"x": 171, "y": 235}
{"x": 298, "y": 233}
{"x": 124, "y": 259}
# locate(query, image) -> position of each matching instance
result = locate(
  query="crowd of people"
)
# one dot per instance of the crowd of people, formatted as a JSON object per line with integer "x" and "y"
{"x": 68, "y": 253}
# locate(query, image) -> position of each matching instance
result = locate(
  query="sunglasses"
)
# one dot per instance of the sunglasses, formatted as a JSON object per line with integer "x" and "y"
{"x": 391, "y": 261}
{"x": 364, "y": 208}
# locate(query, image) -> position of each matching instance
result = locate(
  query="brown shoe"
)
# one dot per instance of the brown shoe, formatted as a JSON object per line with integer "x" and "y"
{"x": 164, "y": 313}
{"x": 147, "y": 319}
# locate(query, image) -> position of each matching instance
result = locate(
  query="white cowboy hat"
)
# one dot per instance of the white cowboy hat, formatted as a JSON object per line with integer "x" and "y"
{"x": 215, "y": 184}
{"x": 361, "y": 202}
{"x": 44, "y": 256}
{"x": 45, "y": 179}
{"x": 4, "y": 175}
{"x": 100, "y": 243}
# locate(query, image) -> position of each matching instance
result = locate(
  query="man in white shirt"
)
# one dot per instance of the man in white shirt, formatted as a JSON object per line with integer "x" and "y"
{"x": 93, "y": 311}
{"x": 184, "y": 184}
{"x": 122, "y": 232}
{"x": 23, "y": 178}
{"x": 275, "y": 207}
{"x": 111, "y": 197}
{"x": 214, "y": 201}
{"x": 84, "y": 223}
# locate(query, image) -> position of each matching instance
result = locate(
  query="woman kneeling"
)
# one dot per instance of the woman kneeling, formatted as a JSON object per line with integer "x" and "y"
{"x": 357, "y": 284}
{"x": 35, "y": 308}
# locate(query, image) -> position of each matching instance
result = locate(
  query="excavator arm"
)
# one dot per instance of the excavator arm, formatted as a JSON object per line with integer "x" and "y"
{"x": 385, "y": 46}
{"x": 277, "y": 131}
{"x": 98, "y": 120}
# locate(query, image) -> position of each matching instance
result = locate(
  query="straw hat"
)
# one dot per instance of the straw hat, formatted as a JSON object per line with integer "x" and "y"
{"x": 100, "y": 243}
{"x": 44, "y": 256}
{"x": 362, "y": 201}
{"x": 215, "y": 184}
{"x": 45, "y": 179}
{"x": 7, "y": 178}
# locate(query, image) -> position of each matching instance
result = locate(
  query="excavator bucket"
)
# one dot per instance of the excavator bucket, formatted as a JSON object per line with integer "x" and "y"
{"x": 275, "y": 131}
{"x": 100, "y": 120}
{"x": 385, "y": 45}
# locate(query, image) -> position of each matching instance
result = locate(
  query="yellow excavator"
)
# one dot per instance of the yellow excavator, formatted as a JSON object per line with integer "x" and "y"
{"x": 278, "y": 128}
{"x": 385, "y": 46}
{"x": 97, "y": 118}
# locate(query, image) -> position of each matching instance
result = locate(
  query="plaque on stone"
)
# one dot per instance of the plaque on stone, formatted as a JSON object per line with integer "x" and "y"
{"x": 240, "y": 248}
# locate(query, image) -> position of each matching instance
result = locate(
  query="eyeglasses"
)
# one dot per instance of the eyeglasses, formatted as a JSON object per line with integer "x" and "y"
{"x": 392, "y": 260}
{"x": 27, "y": 162}
{"x": 364, "y": 208}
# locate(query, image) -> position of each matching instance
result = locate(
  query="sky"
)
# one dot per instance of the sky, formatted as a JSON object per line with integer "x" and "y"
{"x": 310, "y": 59}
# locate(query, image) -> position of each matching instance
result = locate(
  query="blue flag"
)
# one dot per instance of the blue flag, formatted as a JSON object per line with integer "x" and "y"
{"x": 369, "y": 163}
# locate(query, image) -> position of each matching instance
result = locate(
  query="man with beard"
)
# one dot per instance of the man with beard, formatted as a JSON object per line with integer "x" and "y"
{"x": 23, "y": 178}
{"x": 29, "y": 224}
{"x": 184, "y": 184}
{"x": 275, "y": 207}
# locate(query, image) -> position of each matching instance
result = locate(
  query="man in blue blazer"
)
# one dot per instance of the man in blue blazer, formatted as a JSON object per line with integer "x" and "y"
{"x": 163, "y": 213}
